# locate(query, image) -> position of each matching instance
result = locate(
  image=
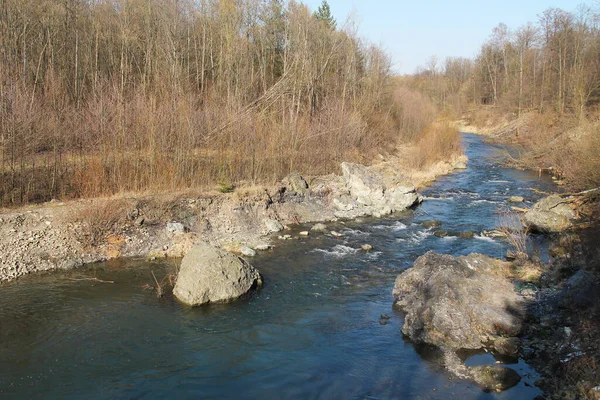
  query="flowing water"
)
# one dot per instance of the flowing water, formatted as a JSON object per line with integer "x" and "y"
{"x": 312, "y": 331}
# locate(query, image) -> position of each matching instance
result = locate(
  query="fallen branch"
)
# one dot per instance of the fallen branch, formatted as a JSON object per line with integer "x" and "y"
{"x": 90, "y": 279}
{"x": 540, "y": 192}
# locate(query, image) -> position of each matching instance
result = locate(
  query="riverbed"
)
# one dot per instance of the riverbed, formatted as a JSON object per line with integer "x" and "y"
{"x": 312, "y": 331}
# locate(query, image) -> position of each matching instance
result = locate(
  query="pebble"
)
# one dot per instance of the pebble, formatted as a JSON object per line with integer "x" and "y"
{"x": 336, "y": 234}
{"x": 366, "y": 247}
{"x": 303, "y": 233}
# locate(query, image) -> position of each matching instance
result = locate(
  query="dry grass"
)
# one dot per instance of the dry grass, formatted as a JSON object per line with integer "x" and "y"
{"x": 438, "y": 142}
{"x": 515, "y": 232}
{"x": 100, "y": 218}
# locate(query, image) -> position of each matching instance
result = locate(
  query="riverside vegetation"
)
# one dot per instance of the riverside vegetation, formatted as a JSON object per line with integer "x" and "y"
{"x": 99, "y": 98}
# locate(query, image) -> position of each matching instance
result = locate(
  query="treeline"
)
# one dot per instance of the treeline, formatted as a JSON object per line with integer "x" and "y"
{"x": 549, "y": 66}
{"x": 548, "y": 72}
{"x": 106, "y": 96}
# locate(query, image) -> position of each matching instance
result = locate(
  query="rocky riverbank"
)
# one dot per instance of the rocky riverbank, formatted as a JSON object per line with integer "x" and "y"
{"x": 61, "y": 235}
{"x": 546, "y": 313}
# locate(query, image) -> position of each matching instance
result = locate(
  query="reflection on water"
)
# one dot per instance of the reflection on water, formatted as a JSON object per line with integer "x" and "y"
{"x": 312, "y": 331}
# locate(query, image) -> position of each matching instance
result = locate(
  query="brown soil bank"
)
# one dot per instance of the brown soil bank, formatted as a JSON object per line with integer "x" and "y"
{"x": 65, "y": 235}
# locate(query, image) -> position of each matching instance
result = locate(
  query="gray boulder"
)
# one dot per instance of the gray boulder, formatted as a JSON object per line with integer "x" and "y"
{"x": 247, "y": 251}
{"x": 176, "y": 228}
{"x": 551, "y": 214}
{"x": 457, "y": 302}
{"x": 273, "y": 225}
{"x": 494, "y": 378}
{"x": 322, "y": 228}
{"x": 212, "y": 275}
{"x": 365, "y": 185}
{"x": 372, "y": 188}
{"x": 507, "y": 346}
{"x": 295, "y": 184}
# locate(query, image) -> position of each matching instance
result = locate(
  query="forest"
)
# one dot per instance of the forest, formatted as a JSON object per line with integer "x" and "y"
{"x": 99, "y": 97}
{"x": 545, "y": 77}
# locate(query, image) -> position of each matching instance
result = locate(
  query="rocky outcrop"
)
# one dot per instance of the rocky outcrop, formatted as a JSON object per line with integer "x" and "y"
{"x": 457, "y": 302}
{"x": 551, "y": 214}
{"x": 212, "y": 275}
{"x": 460, "y": 303}
{"x": 371, "y": 189}
{"x": 295, "y": 184}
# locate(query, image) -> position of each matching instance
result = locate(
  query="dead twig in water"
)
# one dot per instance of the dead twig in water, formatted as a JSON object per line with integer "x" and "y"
{"x": 159, "y": 289}
{"x": 90, "y": 279}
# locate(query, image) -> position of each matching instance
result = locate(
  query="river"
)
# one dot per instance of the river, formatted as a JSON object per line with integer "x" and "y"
{"x": 312, "y": 331}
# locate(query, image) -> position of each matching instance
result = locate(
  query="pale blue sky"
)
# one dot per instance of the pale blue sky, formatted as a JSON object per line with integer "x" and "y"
{"x": 413, "y": 31}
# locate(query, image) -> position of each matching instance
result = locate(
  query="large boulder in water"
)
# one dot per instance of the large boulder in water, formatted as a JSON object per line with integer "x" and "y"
{"x": 212, "y": 275}
{"x": 551, "y": 214}
{"x": 458, "y": 302}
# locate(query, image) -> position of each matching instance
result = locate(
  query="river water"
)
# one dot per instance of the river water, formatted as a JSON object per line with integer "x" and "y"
{"x": 313, "y": 330}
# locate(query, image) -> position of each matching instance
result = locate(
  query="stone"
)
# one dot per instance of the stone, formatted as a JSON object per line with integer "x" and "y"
{"x": 432, "y": 224}
{"x": 295, "y": 184}
{"x": 247, "y": 251}
{"x": 273, "y": 225}
{"x": 366, "y": 247}
{"x": 507, "y": 346}
{"x": 176, "y": 228}
{"x": 457, "y": 302}
{"x": 461, "y": 164}
{"x": 262, "y": 247}
{"x": 441, "y": 233}
{"x": 494, "y": 377}
{"x": 343, "y": 203}
{"x": 303, "y": 233}
{"x": 336, "y": 234}
{"x": 371, "y": 188}
{"x": 466, "y": 235}
{"x": 212, "y": 275}
{"x": 551, "y": 214}
{"x": 516, "y": 199}
{"x": 322, "y": 228}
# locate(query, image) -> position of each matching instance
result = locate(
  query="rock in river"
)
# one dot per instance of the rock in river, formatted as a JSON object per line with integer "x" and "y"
{"x": 457, "y": 302}
{"x": 319, "y": 228}
{"x": 494, "y": 377}
{"x": 212, "y": 275}
{"x": 551, "y": 214}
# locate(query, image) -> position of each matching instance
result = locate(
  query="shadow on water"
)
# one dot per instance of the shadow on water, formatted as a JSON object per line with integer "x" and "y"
{"x": 312, "y": 331}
